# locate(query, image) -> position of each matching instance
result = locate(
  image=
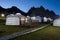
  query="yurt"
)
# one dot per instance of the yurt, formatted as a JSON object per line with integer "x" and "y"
{"x": 28, "y": 19}
{"x": 45, "y": 19}
{"x": 17, "y": 19}
{"x": 56, "y": 22}
{"x": 22, "y": 20}
{"x": 33, "y": 18}
{"x": 18, "y": 14}
{"x": 36, "y": 19}
{"x": 12, "y": 20}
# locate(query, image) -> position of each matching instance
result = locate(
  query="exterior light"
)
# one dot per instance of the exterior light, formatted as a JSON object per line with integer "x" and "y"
{"x": 2, "y": 15}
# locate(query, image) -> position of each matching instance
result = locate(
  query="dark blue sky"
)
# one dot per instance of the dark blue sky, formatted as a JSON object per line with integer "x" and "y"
{"x": 25, "y": 5}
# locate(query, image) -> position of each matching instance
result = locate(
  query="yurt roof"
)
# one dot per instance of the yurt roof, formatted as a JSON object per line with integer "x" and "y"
{"x": 10, "y": 15}
{"x": 15, "y": 15}
{"x": 36, "y": 17}
{"x": 18, "y": 13}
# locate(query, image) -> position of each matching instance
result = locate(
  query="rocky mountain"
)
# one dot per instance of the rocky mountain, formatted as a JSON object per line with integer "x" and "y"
{"x": 41, "y": 11}
{"x": 12, "y": 10}
{"x": 2, "y": 9}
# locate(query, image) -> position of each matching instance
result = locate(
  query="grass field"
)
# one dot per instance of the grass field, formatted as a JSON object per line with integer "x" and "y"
{"x": 5, "y": 30}
{"x": 48, "y": 33}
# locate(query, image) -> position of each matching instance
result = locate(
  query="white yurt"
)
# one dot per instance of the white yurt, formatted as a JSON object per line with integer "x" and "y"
{"x": 33, "y": 18}
{"x": 28, "y": 21}
{"x": 22, "y": 19}
{"x": 45, "y": 19}
{"x": 56, "y": 22}
{"x": 18, "y": 14}
{"x": 12, "y": 20}
{"x": 28, "y": 18}
{"x": 36, "y": 19}
{"x": 17, "y": 19}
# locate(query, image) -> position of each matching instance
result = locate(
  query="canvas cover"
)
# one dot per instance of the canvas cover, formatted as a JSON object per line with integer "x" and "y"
{"x": 56, "y": 22}
{"x": 36, "y": 19}
{"x": 12, "y": 21}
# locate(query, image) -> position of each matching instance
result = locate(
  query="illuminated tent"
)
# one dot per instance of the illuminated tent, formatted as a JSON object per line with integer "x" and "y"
{"x": 28, "y": 19}
{"x": 36, "y": 19}
{"x": 18, "y": 14}
{"x": 56, "y": 22}
{"x": 12, "y": 20}
{"x": 17, "y": 19}
{"x": 45, "y": 19}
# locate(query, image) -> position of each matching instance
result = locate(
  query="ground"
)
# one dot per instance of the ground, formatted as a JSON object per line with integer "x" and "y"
{"x": 6, "y": 30}
{"x": 48, "y": 33}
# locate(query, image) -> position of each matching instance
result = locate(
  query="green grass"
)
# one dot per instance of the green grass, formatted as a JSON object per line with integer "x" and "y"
{"x": 2, "y": 18}
{"x": 5, "y": 30}
{"x": 48, "y": 33}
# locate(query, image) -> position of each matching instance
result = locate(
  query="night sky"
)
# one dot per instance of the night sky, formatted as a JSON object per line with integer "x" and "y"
{"x": 25, "y": 5}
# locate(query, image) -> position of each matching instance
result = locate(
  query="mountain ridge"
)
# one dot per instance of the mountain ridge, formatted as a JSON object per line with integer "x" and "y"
{"x": 39, "y": 11}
